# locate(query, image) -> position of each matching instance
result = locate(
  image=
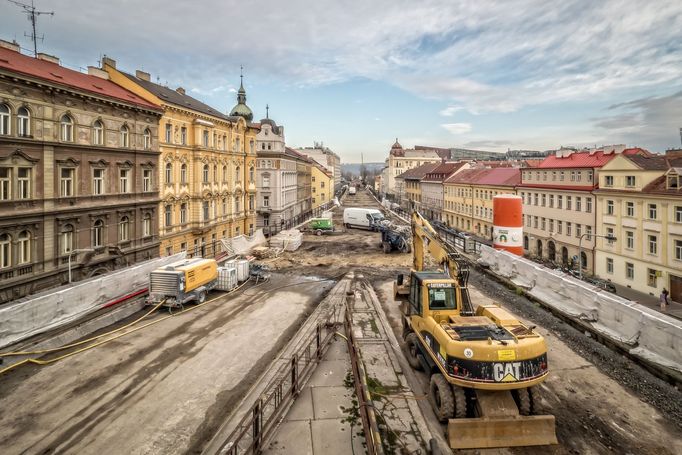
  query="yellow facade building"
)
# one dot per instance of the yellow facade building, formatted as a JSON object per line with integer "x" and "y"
{"x": 322, "y": 185}
{"x": 639, "y": 202}
{"x": 206, "y": 167}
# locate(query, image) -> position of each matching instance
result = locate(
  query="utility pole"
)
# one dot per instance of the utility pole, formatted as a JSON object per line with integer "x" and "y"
{"x": 32, "y": 15}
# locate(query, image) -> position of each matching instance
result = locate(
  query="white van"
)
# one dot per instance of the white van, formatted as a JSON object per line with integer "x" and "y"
{"x": 362, "y": 218}
{"x": 352, "y": 190}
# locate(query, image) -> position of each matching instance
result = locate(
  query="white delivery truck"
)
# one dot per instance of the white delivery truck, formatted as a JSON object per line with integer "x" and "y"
{"x": 359, "y": 217}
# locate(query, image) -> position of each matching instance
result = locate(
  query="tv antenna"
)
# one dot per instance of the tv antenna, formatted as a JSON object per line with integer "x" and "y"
{"x": 32, "y": 15}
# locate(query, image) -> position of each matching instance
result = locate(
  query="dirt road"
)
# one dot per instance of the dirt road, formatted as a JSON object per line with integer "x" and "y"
{"x": 603, "y": 402}
{"x": 161, "y": 390}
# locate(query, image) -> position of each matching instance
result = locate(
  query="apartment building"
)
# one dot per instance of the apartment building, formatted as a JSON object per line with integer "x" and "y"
{"x": 559, "y": 207}
{"x": 639, "y": 202}
{"x": 431, "y": 188}
{"x": 401, "y": 160}
{"x": 409, "y": 183}
{"x": 325, "y": 157}
{"x": 79, "y": 157}
{"x": 304, "y": 202}
{"x": 468, "y": 197}
{"x": 322, "y": 185}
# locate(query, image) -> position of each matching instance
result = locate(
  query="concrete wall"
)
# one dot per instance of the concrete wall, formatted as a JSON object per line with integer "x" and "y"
{"x": 650, "y": 335}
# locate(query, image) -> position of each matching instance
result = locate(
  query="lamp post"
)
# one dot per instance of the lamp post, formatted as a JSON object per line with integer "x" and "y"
{"x": 608, "y": 237}
{"x": 77, "y": 250}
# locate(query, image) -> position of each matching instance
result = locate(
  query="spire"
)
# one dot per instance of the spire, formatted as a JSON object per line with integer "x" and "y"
{"x": 241, "y": 109}
{"x": 267, "y": 111}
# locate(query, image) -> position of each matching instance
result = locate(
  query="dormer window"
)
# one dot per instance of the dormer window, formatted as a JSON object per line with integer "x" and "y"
{"x": 673, "y": 181}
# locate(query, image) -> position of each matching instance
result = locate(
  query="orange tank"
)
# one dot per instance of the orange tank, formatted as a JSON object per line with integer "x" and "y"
{"x": 508, "y": 223}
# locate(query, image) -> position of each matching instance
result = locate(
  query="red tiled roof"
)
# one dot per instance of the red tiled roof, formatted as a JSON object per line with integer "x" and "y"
{"x": 494, "y": 177}
{"x": 18, "y": 63}
{"x": 419, "y": 172}
{"x": 442, "y": 171}
{"x": 592, "y": 159}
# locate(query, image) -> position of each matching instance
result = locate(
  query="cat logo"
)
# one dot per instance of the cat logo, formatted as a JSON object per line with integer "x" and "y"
{"x": 507, "y": 372}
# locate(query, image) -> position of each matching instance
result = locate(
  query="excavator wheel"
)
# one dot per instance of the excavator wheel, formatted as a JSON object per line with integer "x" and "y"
{"x": 412, "y": 348}
{"x": 460, "y": 402}
{"x": 442, "y": 399}
{"x": 523, "y": 401}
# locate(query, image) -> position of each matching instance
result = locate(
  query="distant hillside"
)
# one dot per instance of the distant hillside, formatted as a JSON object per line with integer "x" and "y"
{"x": 354, "y": 168}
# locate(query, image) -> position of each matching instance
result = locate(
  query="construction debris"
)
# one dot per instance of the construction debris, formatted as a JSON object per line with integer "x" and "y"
{"x": 289, "y": 240}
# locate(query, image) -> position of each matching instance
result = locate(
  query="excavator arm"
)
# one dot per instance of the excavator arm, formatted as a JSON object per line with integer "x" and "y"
{"x": 426, "y": 239}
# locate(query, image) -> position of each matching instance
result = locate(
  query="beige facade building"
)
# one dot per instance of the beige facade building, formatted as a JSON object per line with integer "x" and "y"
{"x": 402, "y": 160}
{"x": 639, "y": 201}
{"x": 409, "y": 184}
{"x": 207, "y": 171}
{"x": 79, "y": 159}
{"x": 431, "y": 188}
{"x": 325, "y": 157}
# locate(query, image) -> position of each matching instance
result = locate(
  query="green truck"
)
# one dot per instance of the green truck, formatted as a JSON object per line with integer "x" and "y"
{"x": 321, "y": 225}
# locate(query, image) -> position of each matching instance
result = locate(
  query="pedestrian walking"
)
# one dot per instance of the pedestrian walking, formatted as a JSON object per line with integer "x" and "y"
{"x": 664, "y": 299}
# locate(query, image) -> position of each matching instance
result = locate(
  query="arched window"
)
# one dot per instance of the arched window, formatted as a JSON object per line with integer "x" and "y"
{"x": 66, "y": 128}
{"x": 183, "y": 213}
{"x": 237, "y": 148}
{"x": 123, "y": 229}
{"x": 169, "y": 172}
{"x": 97, "y": 233}
{"x": 98, "y": 133}
{"x": 237, "y": 173}
{"x": 125, "y": 136}
{"x": 224, "y": 173}
{"x": 66, "y": 241}
{"x": 147, "y": 225}
{"x": 183, "y": 173}
{"x": 24, "y": 122}
{"x": 251, "y": 175}
{"x": 4, "y": 119}
{"x": 24, "y": 240}
{"x": 215, "y": 173}
{"x": 5, "y": 251}
{"x": 205, "y": 174}
{"x": 147, "y": 135}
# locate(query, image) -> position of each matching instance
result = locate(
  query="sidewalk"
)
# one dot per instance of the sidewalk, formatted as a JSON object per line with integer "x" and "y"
{"x": 674, "y": 309}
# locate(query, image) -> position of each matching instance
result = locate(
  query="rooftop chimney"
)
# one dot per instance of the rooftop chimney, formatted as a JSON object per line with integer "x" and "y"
{"x": 13, "y": 46}
{"x": 108, "y": 61}
{"x": 94, "y": 71}
{"x": 48, "y": 58}
{"x": 180, "y": 90}
{"x": 142, "y": 75}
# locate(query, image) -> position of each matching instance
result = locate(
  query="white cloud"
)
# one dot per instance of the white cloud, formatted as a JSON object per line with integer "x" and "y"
{"x": 457, "y": 128}
{"x": 450, "y": 111}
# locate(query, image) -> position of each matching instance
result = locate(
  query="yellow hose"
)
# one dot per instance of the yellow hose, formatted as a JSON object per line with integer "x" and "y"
{"x": 78, "y": 351}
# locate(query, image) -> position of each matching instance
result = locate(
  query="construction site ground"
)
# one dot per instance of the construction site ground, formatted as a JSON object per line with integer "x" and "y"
{"x": 168, "y": 389}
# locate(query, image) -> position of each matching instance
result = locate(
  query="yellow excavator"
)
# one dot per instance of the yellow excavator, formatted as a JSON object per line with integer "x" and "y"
{"x": 484, "y": 364}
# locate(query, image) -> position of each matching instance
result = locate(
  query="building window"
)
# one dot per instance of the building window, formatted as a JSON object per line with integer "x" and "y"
{"x": 224, "y": 144}
{"x": 578, "y": 204}
{"x": 24, "y": 240}
{"x": 588, "y": 205}
{"x": 205, "y": 138}
{"x": 24, "y": 182}
{"x": 551, "y": 226}
{"x": 215, "y": 173}
{"x": 125, "y": 136}
{"x": 561, "y": 176}
{"x": 568, "y": 228}
{"x": 652, "y": 211}
{"x": 572, "y": 176}
{"x": 629, "y": 270}
{"x": 608, "y": 180}
{"x": 266, "y": 180}
{"x": 578, "y": 230}
{"x": 559, "y": 226}
{"x": 559, "y": 201}
{"x": 204, "y": 175}
{"x": 147, "y": 225}
{"x": 266, "y": 201}
{"x": 66, "y": 128}
{"x": 204, "y": 210}
{"x": 678, "y": 214}
{"x": 183, "y": 174}
{"x": 237, "y": 172}
{"x": 147, "y": 135}
{"x": 169, "y": 133}
{"x": 251, "y": 175}
{"x": 630, "y": 240}
{"x": 609, "y": 233}
{"x": 183, "y": 213}
{"x": 551, "y": 200}
{"x": 590, "y": 175}
{"x": 5, "y": 183}
{"x": 542, "y": 223}
{"x": 5, "y": 251}
{"x": 224, "y": 203}
{"x": 123, "y": 229}
{"x": 98, "y": 181}
{"x": 651, "y": 275}
{"x": 98, "y": 133}
{"x": 535, "y": 222}
{"x": 630, "y": 209}
{"x": 4, "y": 120}
{"x": 678, "y": 250}
{"x": 169, "y": 173}
{"x": 183, "y": 135}
{"x": 24, "y": 122}
{"x": 237, "y": 205}
{"x": 568, "y": 203}
{"x": 97, "y": 233}
{"x": 609, "y": 207}
{"x": 544, "y": 200}
{"x": 535, "y": 198}
{"x": 124, "y": 181}
{"x": 609, "y": 266}
{"x": 653, "y": 244}
{"x": 168, "y": 215}
{"x": 66, "y": 240}
{"x": 630, "y": 181}
{"x": 251, "y": 202}
{"x": 66, "y": 181}
{"x": 146, "y": 180}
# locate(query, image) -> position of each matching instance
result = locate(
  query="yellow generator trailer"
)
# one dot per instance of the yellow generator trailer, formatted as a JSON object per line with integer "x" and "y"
{"x": 484, "y": 365}
{"x": 182, "y": 282}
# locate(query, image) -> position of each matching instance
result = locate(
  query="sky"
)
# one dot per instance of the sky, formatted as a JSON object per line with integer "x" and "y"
{"x": 356, "y": 75}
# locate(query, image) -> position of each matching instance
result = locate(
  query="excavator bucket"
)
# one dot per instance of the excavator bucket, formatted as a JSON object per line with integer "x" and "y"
{"x": 490, "y": 432}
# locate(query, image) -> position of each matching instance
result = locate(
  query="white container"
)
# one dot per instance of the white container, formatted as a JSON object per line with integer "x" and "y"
{"x": 231, "y": 263}
{"x": 227, "y": 278}
{"x": 242, "y": 269}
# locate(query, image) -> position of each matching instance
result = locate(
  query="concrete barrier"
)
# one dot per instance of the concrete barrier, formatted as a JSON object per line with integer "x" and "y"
{"x": 652, "y": 336}
{"x": 54, "y": 308}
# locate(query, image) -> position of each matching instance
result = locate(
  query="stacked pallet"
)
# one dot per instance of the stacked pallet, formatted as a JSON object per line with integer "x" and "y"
{"x": 289, "y": 240}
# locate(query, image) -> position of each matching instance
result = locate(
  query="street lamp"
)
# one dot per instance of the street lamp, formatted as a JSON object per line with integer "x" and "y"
{"x": 77, "y": 250}
{"x": 608, "y": 237}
